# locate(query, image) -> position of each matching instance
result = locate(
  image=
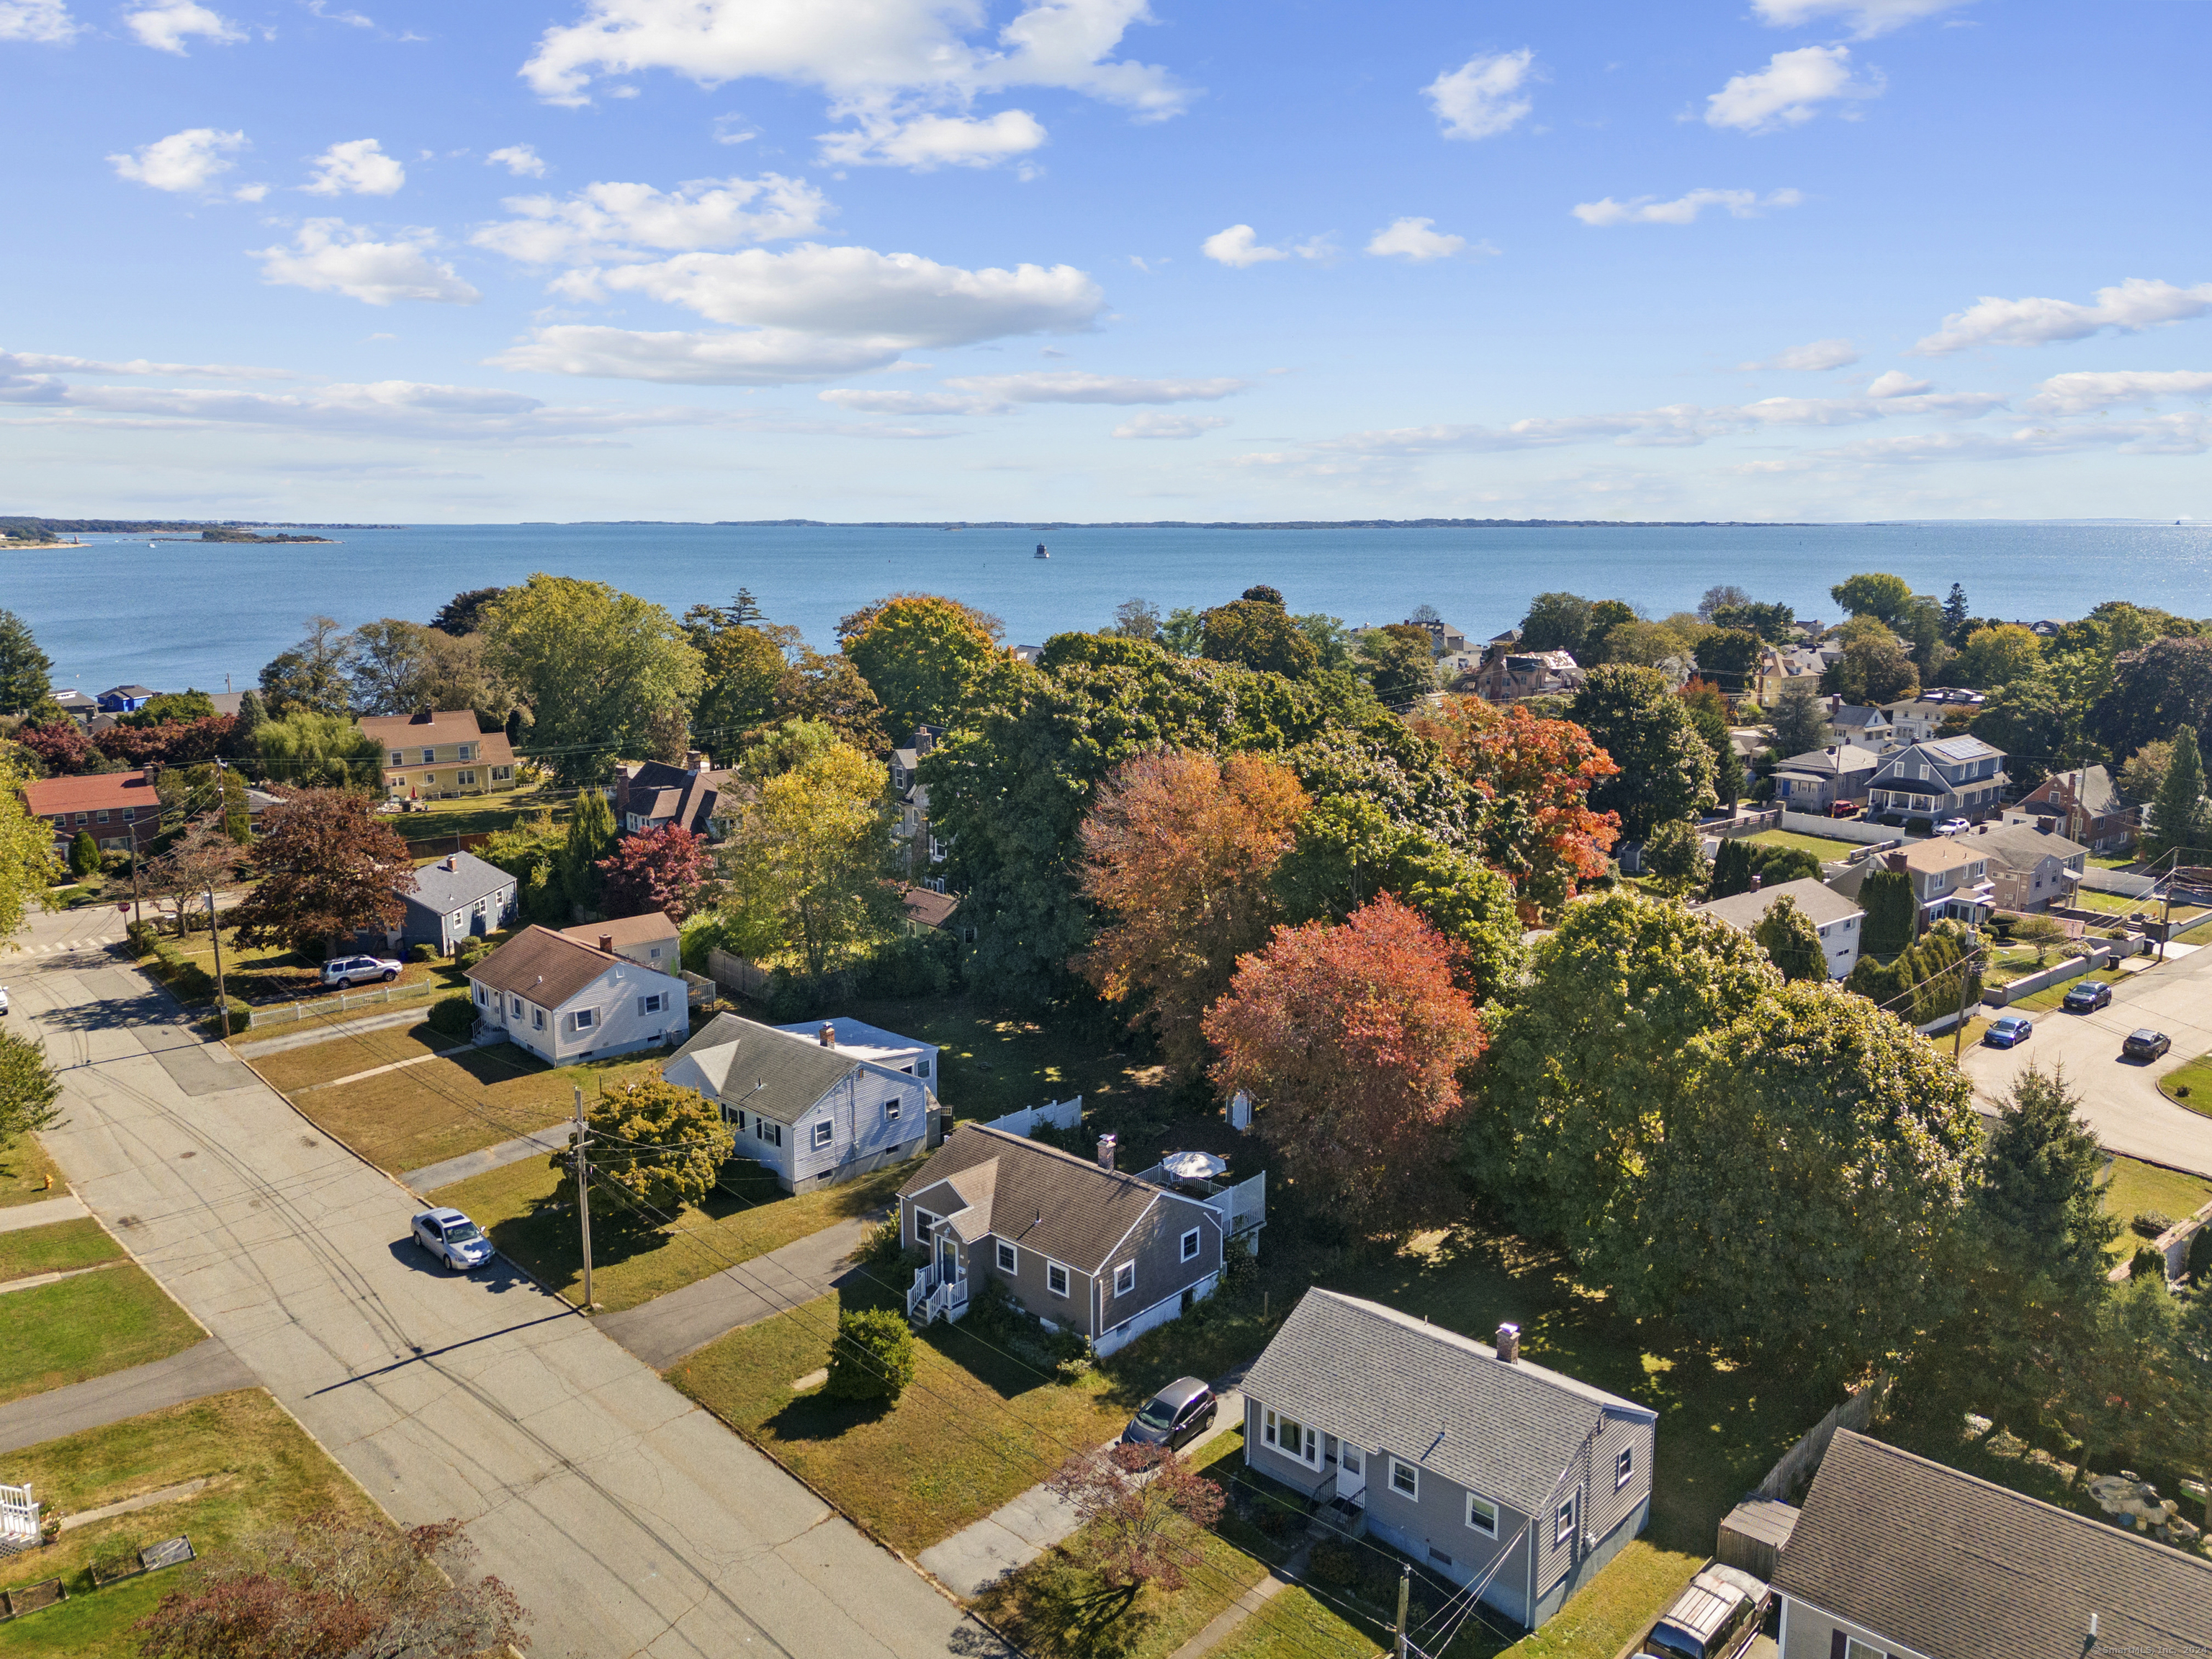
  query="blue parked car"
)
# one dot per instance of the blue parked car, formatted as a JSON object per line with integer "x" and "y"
{"x": 2009, "y": 1032}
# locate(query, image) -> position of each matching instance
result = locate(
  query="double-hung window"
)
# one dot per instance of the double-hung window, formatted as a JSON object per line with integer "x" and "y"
{"x": 1482, "y": 1516}
{"x": 1405, "y": 1478}
{"x": 765, "y": 1130}
{"x": 398, "y": 759}
{"x": 649, "y": 1005}
{"x": 1009, "y": 1257}
{"x": 1125, "y": 1279}
{"x": 1293, "y": 1439}
{"x": 1624, "y": 1468}
{"x": 1055, "y": 1279}
{"x": 823, "y": 1132}
{"x": 584, "y": 1018}
{"x": 892, "y": 1109}
{"x": 1191, "y": 1244}
{"x": 537, "y": 1019}
{"x": 1564, "y": 1525}
{"x": 429, "y": 755}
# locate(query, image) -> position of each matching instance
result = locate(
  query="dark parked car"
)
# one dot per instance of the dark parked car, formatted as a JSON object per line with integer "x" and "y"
{"x": 2146, "y": 1045}
{"x": 2087, "y": 997}
{"x": 1717, "y": 1617}
{"x": 2009, "y": 1032}
{"x": 1177, "y": 1414}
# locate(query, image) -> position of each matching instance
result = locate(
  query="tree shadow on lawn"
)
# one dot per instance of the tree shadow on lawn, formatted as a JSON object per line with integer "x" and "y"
{"x": 1058, "y": 1608}
{"x": 820, "y": 1416}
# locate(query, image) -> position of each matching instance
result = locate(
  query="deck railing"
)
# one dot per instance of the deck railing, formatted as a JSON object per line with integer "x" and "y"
{"x": 19, "y": 1520}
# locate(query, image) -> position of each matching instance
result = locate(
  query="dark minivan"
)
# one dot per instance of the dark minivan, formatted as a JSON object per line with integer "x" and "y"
{"x": 1177, "y": 1414}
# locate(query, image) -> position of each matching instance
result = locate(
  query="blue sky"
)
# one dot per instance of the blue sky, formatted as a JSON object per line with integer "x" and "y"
{"x": 924, "y": 259}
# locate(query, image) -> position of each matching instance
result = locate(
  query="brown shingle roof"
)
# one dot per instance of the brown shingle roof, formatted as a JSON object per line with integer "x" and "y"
{"x": 624, "y": 930}
{"x": 1956, "y": 1567}
{"x": 400, "y": 732}
{"x": 546, "y": 967}
{"x": 1044, "y": 1200}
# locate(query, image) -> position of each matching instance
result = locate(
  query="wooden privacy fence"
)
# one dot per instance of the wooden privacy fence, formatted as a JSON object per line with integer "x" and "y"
{"x": 1797, "y": 1464}
{"x": 735, "y": 974}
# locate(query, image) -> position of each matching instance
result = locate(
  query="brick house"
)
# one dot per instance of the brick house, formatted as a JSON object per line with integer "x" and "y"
{"x": 2082, "y": 805}
{"x": 437, "y": 755}
{"x": 119, "y": 809}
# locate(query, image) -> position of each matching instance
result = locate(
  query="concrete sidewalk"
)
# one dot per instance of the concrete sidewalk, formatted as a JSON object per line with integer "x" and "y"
{"x": 313, "y": 1031}
{"x": 61, "y": 1207}
{"x": 1016, "y": 1533}
{"x": 554, "y": 1137}
{"x": 211, "y": 1368}
{"x": 664, "y": 1329}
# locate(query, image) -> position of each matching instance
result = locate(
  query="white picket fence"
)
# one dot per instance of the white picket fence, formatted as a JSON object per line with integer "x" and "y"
{"x": 292, "y": 1013}
{"x": 1060, "y": 1114}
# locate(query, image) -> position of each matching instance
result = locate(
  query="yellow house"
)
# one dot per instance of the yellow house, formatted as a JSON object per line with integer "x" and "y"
{"x": 431, "y": 757}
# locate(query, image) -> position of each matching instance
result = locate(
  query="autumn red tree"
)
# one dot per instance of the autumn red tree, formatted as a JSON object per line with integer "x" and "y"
{"x": 1176, "y": 851}
{"x": 1353, "y": 1037}
{"x": 337, "y": 1587}
{"x": 664, "y": 869}
{"x": 1143, "y": 1511}
{"x": 1537, "y": 775}
{"x": 171, "y": 742}
{"x": 62, "y": 748}
{"x": 328, "y": 869}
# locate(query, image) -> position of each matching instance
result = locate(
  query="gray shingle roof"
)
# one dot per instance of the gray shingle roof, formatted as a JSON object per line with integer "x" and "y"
{"x": 1391, "y": 1383}
{"x": 437, "y": 888}
{"x": 1951, "y": 1565}
{"x": 1042, "y": 1199}
{"x": 1836, "y": 759}
{"x": 2020, "y": 846}
{"x": 766, "y": 1072}
{"x": 1747, "y": 910}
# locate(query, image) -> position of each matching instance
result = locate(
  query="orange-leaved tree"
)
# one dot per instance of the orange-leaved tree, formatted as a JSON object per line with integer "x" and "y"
{"x": 1539, "y": 831}
{"x": 1177, "y": 850}
{"x": 1353, "y": 1037}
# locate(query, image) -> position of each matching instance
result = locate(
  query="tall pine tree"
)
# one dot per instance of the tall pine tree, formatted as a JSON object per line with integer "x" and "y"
{"x": 2181, "y": 821}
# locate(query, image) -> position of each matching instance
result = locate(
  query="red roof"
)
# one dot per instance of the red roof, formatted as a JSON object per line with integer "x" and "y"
{"x": 102, "y": 792}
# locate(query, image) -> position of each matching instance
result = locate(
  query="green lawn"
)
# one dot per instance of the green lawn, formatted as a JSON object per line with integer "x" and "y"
{"x": 267, "y": 974}
{"x": 529, "y": 1209}
{"x": 2134, "y": 1189}
{"x": 262, "y": 1470}
{"x": 1057, "y": 1609}
{"x": 87, "y": 1326}
{"x": 28, "y": 1176}
{"x": 56, "y": 1248}
{"x": 475, "y": 815}
{"x": 1297, "y": 1624}
{"x": 293, "y": 1069}
{"x": 1824, "y": 848}
{"x": 2190, "y": 1085}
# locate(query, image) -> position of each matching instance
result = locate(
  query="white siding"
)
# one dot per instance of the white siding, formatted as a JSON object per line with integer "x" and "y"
{"x": 619, "y": 1025}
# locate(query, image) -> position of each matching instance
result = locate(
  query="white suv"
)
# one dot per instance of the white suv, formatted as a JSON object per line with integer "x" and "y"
{"x": 359, "y": 970}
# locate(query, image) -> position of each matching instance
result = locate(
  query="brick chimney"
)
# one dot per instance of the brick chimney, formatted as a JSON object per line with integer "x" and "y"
{"x": 697, "y": 761}
{"x": 1896, "y": 863}
{"x": 1508, "y": 1343}
{"x": 452, "y": 861}
{"x": 607, "y": 943}
{"x": 1106, "y": 1152}
{"x": 827, "y": 1036}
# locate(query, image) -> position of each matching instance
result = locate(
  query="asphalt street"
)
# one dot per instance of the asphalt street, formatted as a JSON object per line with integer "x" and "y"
{"x": 628, "y": 1521}
{"x": 2119, "y": 1097}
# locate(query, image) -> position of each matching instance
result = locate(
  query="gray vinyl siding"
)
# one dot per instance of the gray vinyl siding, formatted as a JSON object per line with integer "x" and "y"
{"x": 1272, "y": 1464}
{"x": 1809, "y": 1632}
{"x": 1435, "y": 1521}
{"x": 860, "y": 1139}
{"x": 1027, "y": 1282}
{"x": 1155, "y": 1245}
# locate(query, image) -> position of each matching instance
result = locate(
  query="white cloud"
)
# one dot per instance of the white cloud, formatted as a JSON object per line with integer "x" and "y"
{"x": 1416, "y": 240}
{"x": 351, "y": 19}
{"x": 249, "y": 193}
{"x": 357, "y": 167}
{"x": 38, "y": 363}
{"x": 2128, "y": 308}
{"x": 520, "y": 160}
{"x": 184, "y": 160}
{"x": 1240, "y": 246}
{"x": 1866, "y": 18}
{"x": 1789, "y": 91}
{"x": 1683, "y": 209}
{"x": 332, "y": 257}
{"x": 907, "y": 73}
{"x": 1154, "y": 424}
{"x": 1483, "y": 96}
{"x": 768, "y": 356}
{"x": 1073, "y": 385}
{"x": 910, "y": 403}
{"x": 47, "y": 22}
{"x": 925, "y": 142}
{"x": 1896, "y": 382}
{"x": 608, "y": 221}
{"x": 167, "y": 25}
{"x": 2082, "y": 392}
{"x": 1818, "y": 354}
{"x": 894, "y": 299}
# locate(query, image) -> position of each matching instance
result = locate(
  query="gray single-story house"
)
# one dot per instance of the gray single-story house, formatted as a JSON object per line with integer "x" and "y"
{"x": 650, "y": 940}
{"x": 810, "y": 1112}
{"x": 459, "y": 897}
{"x": 565, "y": 1001}
{"x": 1505, "y": 1477}
{"x": 1836, "y": 919}
{"x": 1081, "y": 1245}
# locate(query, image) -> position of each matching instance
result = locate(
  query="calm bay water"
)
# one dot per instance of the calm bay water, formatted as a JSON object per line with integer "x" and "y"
{"x": 186, "y": 613}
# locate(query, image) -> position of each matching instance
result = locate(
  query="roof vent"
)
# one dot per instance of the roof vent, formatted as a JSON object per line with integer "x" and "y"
{"x": 1508, "y": 1343}
{"x": 828, "y": 1034}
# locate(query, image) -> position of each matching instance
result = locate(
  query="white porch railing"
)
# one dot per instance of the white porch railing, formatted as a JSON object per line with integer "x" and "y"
{"x": 19, "y": 1520}
{"x": 935, "y": 1292}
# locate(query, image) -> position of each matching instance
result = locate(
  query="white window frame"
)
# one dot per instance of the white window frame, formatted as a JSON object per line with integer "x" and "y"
{"x": 1125, "y": 1279}
{"x": 1855, "y": 1648}
{"x": 1624, "y": 1468}
{"x": 820, "y": 1134}
{"x": 1563, "y": 1522}
{"x": 583, "y": 1020}
{"x": 1350, "y": 1458}
{"x": 924, "y": 1223}
{"x": 466, "y": 780}
{"x": 398, "y": 759}
{"x": 465, "y": 754}
{"x": 1411, "y": 1472}
{"x": 892, "y": 1109}
{"x": 1056, "y": 1270}
{"x": 1193, "y": 1242}
{"x": 1008, "y": 1257}
{"x": 649, "y": 1005}
{"x": 1481, "y": 1515}
{"x": 429, "y": 757}
{"x": 537, "y": 1019}
{"x": 1299, "y": 1442}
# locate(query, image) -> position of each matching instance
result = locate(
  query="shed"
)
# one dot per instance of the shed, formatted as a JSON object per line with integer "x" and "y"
{"x": 1754, "y": 1533}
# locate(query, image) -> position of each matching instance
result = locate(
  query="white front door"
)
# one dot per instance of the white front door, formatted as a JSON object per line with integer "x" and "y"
{"x": 1351, "y": 1473}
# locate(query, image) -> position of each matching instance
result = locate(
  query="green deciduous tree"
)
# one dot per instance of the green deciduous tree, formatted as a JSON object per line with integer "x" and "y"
{"x": 872, "y": 1356}
{"x": 329, "y": 870}
{"x": 24, "y": 669}
{"x": 1137, "y": 619}
{"x": 1398, "y": 663}
{"x": 805, "y": 862}
{"x": 1666, "y": 768}
{"x": 2181, "y": 819}
{"x": 2167, "y": 684}
{"x": 1791, "y": 942}
{"x": 28, "y": 1088}
{"x": 463, "y": 612}
{"x": 1258, "y": 635}
{"x": 657, "y": 1148}
{"x": 1799, "y": 720}
{"x": 594, "y": 665}
{"x": 1771, "y": 623}
{"x": 1874, "y": 595}
{"x": 923, "y": 655}
{"x": 1332, "y": 640}
{"x": 1556, "y": 621}
{"x": 742, "y": 669}
{"x": 1729, "y": 655}
{"x": 317, "y": 751}
{"x": 398, "y": 666}
{"x": 530, "y": 851}
{"x": 1873, "y": 672}
{"x": 1183, "y": 633}
{"x": 1674, "y": 858}
{"x": 313, "y": 675}
{"x": 1997, "y": 656}
{"x": 2145, "y": 770}
{"x": 29, "y": 866}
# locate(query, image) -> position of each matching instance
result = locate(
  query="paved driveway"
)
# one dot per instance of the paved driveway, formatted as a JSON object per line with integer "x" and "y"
{"x": 628, "y": 1521}
{"x": 2121, "y": 1099}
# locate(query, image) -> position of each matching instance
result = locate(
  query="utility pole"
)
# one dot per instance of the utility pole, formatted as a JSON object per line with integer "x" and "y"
{"x": 583, "y": 1195}
{"x": 1965, "y": 979}
{"x": 1405, "y": 1589}
{"x": 214, "y": 933}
